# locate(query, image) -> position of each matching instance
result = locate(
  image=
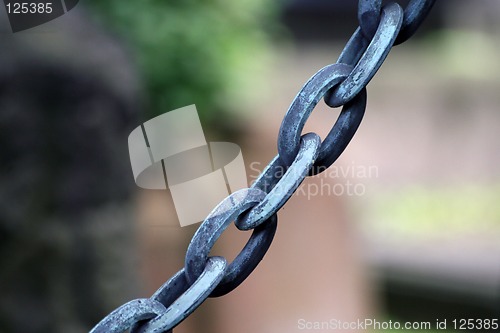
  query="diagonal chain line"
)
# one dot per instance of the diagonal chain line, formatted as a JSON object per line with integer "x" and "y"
{"x": 255, "y": 208}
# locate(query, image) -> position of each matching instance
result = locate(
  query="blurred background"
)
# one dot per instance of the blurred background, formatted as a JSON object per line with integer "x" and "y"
{"x": 404, "y": 227}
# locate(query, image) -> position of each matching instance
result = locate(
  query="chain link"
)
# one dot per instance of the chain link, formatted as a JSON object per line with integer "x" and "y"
{"x": 369, "y": 12}
{"x": 341, "y": 133}
{"x": 372, "y": 57}
{"x": 213, "y": 227}
{"x": 341, "y": 84}
{"x": 283, "y": 183}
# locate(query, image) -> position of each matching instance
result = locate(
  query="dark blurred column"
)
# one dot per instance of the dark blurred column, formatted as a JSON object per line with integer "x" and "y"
{"x": 68, "y": 100}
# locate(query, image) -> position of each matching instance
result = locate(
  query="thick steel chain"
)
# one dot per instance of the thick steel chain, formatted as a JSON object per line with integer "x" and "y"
{"x": 341, "y": 84}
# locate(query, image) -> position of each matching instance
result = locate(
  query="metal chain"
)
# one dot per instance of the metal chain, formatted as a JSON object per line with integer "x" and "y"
{"x": 341, "y": 84}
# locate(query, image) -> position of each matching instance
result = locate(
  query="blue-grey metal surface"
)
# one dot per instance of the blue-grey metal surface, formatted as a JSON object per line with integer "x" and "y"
{"x": 188, "y": 301}
{"x": 340, "y": 84}
{"x": 248, "y": 259}
{"x": 371, "y": 60}
{"x": 416, "y": 11}
{"x": 168, "y": 293}
{"x": 284, "y": 182}
{"x": 415, "y": 14}
{"x": 213, "y": 227}
{"x": 302, "y": 106}
{"x": 128, "y": 314}
{"x": 369, "y": 16}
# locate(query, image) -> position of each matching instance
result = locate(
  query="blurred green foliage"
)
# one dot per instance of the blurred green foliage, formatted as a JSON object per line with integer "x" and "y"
{"x": 423, "y": 211}
{"x": 191, "y": 52}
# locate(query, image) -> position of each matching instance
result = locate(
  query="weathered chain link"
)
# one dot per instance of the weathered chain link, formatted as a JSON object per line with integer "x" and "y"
{"x": 283, "y": 182}
{"x": 302, "y": 106}
{"x": 213, "y": 227}
{"x": 369, "y": 12}
{"x": 370, "y": 57}
{"x": 341, "y": 84}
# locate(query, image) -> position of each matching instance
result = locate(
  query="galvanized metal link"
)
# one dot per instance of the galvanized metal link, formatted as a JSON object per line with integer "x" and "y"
{"x": 416, "y": 11}
{"x": 187, "y": 301}
{"x": 341, "y": 84}
{"x": 371, "y": 59}
{"x": 415, "y": 14}
{"x": 128, "y": 314}
{"x": 213, "y": 227}
{"x": 180, "y": 297}
{"x": 283, "y": 181}
{"x": 302, "y": 106}
{"x": 369, "y": 16}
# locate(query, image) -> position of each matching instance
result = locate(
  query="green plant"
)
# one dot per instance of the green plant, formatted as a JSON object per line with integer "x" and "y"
{"x": 190, "y": 52}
